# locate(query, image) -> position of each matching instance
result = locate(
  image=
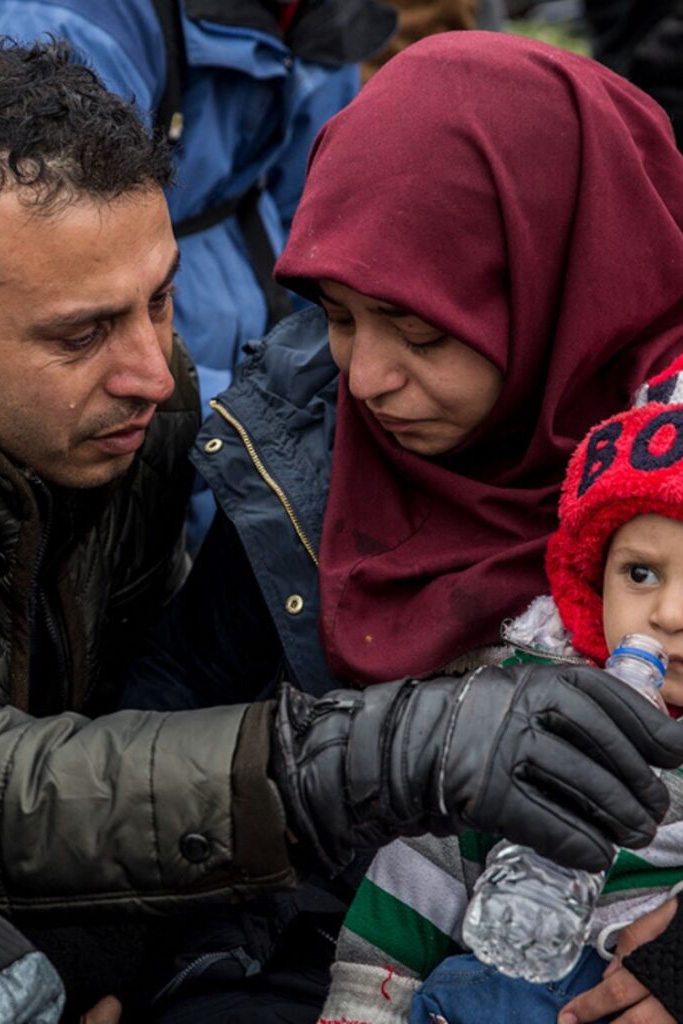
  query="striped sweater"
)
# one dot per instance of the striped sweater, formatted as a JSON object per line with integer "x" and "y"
{"x": 407, "y": 915}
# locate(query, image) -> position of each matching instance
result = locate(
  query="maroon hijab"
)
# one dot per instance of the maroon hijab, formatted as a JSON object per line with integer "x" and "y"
{"x": 529, "y": 202}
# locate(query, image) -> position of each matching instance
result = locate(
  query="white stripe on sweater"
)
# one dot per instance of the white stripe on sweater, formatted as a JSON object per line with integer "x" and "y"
{"x": 363, "y": 994}
{"x": 416, "y": 881}
{"x": 666, "y": 850}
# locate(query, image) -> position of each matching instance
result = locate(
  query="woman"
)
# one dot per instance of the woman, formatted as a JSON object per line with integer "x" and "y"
{"x": 525, "y": 206}
{"x": 494, "y": 232}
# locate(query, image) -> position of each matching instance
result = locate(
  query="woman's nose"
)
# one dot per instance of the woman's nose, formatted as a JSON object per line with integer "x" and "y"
{"x": 374, "y": 366}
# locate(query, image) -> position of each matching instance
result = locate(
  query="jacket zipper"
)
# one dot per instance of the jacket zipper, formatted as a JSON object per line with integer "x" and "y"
{"x": 58, "y": 644}
{"x": 263, "y": 472}
{"x": 40, "y": 554}
{"x": 558, "y": 659}
{"x": 39, "y": 601}
{"x": 201, "y": 964}
{"x": 204, "y": 961}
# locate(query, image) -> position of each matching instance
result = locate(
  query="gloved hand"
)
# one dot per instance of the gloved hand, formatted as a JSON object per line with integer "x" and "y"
{"x": 554, "y": 757}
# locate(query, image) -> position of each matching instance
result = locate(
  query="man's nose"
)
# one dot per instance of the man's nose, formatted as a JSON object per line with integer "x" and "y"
{"x": 140, "y": 368}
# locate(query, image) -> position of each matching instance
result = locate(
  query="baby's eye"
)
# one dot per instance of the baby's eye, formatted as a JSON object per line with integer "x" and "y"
{"x": 642, "y": 574}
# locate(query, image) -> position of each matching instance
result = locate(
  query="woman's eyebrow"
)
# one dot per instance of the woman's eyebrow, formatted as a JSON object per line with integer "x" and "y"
{"x": 393, "y": 311}
{"x": 383, "y": 308}
{"x": 322, "y": 294}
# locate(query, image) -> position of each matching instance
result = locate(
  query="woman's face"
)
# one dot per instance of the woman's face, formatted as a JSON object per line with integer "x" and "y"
{"x": 426, "y": 388}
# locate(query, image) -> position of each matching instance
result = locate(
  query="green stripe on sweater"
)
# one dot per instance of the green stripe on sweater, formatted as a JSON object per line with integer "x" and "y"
{"x": 527, "y": 658}
{"x": 408, "y": 937}
{"x": 475, "y": 846}
{"x": 632, "y": 872}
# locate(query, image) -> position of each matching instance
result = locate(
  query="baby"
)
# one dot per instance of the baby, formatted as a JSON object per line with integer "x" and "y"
{"x": 615, "y": 566}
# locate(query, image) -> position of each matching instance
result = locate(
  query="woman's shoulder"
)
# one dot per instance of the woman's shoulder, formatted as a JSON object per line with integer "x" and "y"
{"x": 283, "y": 402}
{"x": 293, "y": 361}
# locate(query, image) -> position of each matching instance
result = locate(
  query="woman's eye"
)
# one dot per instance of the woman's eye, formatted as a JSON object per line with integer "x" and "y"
{"x": 336, "y": 321}
{"x": 422, "y": 347}
{"x": 642, "y": 574}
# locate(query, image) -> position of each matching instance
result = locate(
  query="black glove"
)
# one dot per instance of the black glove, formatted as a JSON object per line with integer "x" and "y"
{"x": 657, "y": 965}
{"x": 552, "y": 757}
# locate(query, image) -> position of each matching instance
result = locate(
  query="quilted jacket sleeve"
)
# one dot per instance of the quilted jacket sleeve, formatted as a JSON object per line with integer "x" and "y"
{"x": 137, "y": 810}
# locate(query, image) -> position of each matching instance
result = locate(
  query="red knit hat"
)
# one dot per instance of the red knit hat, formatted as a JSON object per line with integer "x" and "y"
{"x": 629, "y": 465}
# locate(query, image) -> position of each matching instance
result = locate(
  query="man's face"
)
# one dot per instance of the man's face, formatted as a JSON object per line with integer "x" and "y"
{"x": 85, "y": 333}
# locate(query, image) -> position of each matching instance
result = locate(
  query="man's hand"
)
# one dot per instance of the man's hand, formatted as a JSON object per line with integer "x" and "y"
{"x": 554, "y": 757}
{"x": 619, "y": 990}
{"x": 107, "y": 1011}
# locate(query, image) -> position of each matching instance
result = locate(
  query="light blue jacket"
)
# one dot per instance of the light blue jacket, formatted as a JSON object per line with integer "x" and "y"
{"x": 31, "y": 991}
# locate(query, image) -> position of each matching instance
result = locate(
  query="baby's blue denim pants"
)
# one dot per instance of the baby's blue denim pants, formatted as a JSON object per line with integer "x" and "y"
{"x": 461, "y": 990}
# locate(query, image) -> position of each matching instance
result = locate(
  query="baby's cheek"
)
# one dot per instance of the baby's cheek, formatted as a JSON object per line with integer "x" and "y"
{"x": 672, "y": 690}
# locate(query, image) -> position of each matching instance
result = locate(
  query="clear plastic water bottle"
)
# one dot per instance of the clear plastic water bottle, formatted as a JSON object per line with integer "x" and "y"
{"x": 528, "y": 916}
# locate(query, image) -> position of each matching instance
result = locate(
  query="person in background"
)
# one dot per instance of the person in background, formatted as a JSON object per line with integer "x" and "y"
{"x": 491, "y": 15}
{"x": 241, "y": 89}
{"x": 418, "y": 19}
{"x": 376, "y": 460}
{"x": 643, "y": 40}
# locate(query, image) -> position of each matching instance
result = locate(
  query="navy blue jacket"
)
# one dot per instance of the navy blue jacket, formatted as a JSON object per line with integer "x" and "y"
{"x": 248, "y": 615}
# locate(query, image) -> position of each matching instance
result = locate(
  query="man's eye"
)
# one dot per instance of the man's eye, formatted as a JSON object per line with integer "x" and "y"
{"x": 160, "y": 301}
{"x": 642, "y": 574}
{"x": 84, "y": 341}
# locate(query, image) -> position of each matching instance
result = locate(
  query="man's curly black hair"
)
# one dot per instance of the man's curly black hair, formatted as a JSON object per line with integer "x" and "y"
{"x": 63, "y": 136}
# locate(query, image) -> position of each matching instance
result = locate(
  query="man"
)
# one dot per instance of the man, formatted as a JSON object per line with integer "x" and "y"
{"x": 242, "y": 88}
{"x": 107, "y": 816}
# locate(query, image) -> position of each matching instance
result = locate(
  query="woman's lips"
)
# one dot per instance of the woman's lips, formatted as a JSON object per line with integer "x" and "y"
{"x": 395, "y": 425}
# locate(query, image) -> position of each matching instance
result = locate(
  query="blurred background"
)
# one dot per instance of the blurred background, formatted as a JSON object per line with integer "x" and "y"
{"x": 639, "y": 39}
{"x": 560, "y": 22}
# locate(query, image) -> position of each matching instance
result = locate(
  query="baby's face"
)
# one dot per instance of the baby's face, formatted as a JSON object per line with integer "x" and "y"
{"x": 643, "y": 590}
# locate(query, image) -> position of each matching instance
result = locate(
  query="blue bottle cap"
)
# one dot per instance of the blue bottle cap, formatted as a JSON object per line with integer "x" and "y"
{"x": 638, "y": 652}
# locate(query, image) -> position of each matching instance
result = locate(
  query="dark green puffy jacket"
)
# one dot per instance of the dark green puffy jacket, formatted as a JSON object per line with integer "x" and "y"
{"x": 133, "y": 809}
